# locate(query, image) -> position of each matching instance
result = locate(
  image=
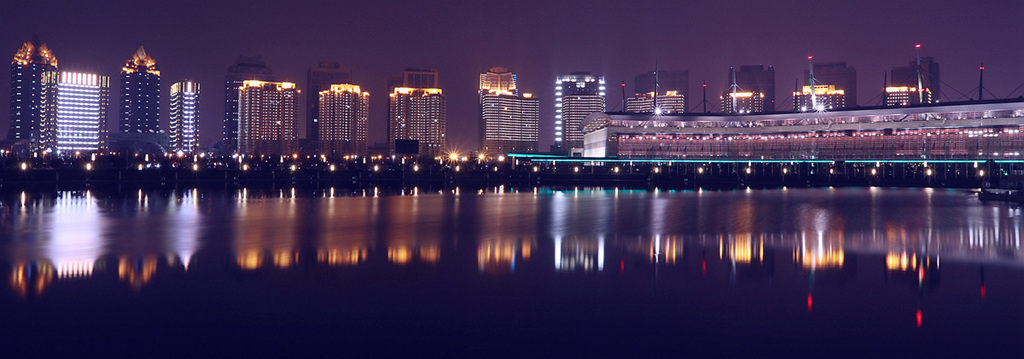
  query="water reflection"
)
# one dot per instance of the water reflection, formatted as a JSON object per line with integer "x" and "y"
{"x": 51, "y": 237}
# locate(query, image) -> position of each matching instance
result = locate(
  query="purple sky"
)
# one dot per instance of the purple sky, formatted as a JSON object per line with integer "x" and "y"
{"x": 535, "y": 39}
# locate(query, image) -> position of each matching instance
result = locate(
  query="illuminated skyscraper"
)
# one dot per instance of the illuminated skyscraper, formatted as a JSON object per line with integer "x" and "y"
{"x": 508, "y": 122}
{"x": 140, "y": 95}
{"x": 825, "y": 97}
{"x": 267, "y": 117}
{"x": 246, "y": 68}
{"x": 318, "y": 79}
{"x": 754, "y": 80}
{"x": 577, "y": 95}
{"x": 185, "y": 116}
{"x": 416, "y": 111}
{"x": 343, "y": 120}
{"x": 909, "y": 87}
{"x": 74, "y": 112}
{"x": 27, "y": 70}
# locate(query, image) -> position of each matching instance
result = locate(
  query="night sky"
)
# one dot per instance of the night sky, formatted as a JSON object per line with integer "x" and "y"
{"x": 536, "y": 39}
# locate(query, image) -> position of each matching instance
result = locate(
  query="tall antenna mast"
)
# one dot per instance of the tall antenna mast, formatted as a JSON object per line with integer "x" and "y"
{"x": 810, "y": 81}
{"x": 732, "y": 70}
{"x": 704, "y": 89}
{"x": 624, "y": 97}
{"x": 981, "y": 80}
{"x": 920, "y": 82}
{"x": 657, "y": 111}
{"x": 885, "y": 84}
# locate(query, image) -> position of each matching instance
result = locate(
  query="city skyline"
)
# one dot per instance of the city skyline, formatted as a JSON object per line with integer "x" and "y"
{"x": 536, "y": 57}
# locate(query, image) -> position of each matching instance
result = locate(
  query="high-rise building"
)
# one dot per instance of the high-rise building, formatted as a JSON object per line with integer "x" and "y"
{"x": 27, "y": 68}
{"x": 74, "y": 112}
{"x": 668, "y": 81}
{"x": 318, "y": 79}
{"x": 268, "y": 112}
{"x": 185, "y": 116}
{"x": 839, "y": 76}
{"x": 924, "y": 84}
{"x": 509, "y": 122}
{"x": 498, "y": 80}
{"x": 755, "y": 80}
{"x": 743, "y": 102}
{"x": 344, "y": 120}
{"x": 140, "y": 95}
{"x": 246, "y": 68}
{"x": 668, "y": 102}
{"x": 823, "y": 97}
{"x": 416, "y": 111}
{"x": 577, "y": 95}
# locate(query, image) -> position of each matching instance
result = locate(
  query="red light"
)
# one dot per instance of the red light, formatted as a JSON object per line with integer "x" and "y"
{"x": 810, "y": 301}
{"x": 918, "y": 46}
{"x": 982, "y": 291}
{"x": 810, "y": 57}
{"x": 704, "y": 85}
{"x": 918, "y": 317}
{"x": 981, "y": 68}
{"x": 623, "y": 84}
{"x": 703, "y": 266}
{"x": 622, "y": 265}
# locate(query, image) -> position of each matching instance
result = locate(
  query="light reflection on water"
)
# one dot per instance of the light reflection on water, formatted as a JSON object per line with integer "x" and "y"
{"x": 72, "y": 230}
{"x": 799, "y": 242}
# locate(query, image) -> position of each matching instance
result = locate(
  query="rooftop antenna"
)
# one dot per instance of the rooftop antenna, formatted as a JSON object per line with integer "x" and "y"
{"x": 624, "y": 96}
{"x": 920, "y": 91}
{"x": 885, "y": 84}
{"x": 981, "y": 80}
{"x": 733, "y": 87}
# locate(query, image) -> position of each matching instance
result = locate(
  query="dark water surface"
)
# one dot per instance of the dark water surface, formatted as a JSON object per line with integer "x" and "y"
{"x": 494, "y": 273}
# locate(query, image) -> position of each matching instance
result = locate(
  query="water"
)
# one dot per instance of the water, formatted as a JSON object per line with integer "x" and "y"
{"x": 499, "y": 272}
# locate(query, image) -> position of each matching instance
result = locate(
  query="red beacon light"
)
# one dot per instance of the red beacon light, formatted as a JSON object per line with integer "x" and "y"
{"x": 917, "y": 46}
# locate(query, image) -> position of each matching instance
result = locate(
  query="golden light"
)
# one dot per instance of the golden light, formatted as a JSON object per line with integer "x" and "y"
{"x": 700, "y": 170}
{"x": 747, "y": 170}
{"x": 24, "y": 166}
{"x": 616, "y": 170}
{"x": 295, "y": 155}
{"x": 785, "y": 170}
{"x": 981, "y": 173}
{"x": 88, "y": 166}
{"x": 831, "y": 171}
{"x": 195, "y": 166}
{"x": 140, "y": 167}
{"x": 501, "y": 158}
{"x": 332, "y": 168}
{"x": 874, "y": 171}
{"x": 576, "y": 169}
{"x": 457, "y": 168}
{"x": 481, "y": 157}
{"x": 536, "y": 169}
{"x": 293, "y": 168}
{"x": 464, "y": 158}
{"x": 495, "y": 168}
{"x": 928, "y": 172}
{"x": 376, "y": 168}
{"x": 415, "y": 168}
{"x": 453, "y": 156}
{"x": 245, "y": 167}
{"x": 657, "y": 169}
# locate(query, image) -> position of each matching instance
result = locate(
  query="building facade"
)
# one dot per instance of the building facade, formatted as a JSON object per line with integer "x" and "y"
{"x": 577, "y": 95}
{"x": 318, "y": 79}
{"x": 344, "y": 120}
{"x": 755, "y": 80}
{"x": 185, "y": 116}
{"x": 669, "y": 102}
{"x": 677, "y": 81}
{"x": 509, "y": 122}
{"x": 820, "y": 98}
{"x": 27, "y": 69}
{"x": 245, "y": 68}
{"x": 966, "y": 131}
{"x": 418, "y": 114}
{"x": 74, "y": 112}
{"x": 268, "y": 112}
{"x": 140, "y": 95}
{"x": 417, "y": 111}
